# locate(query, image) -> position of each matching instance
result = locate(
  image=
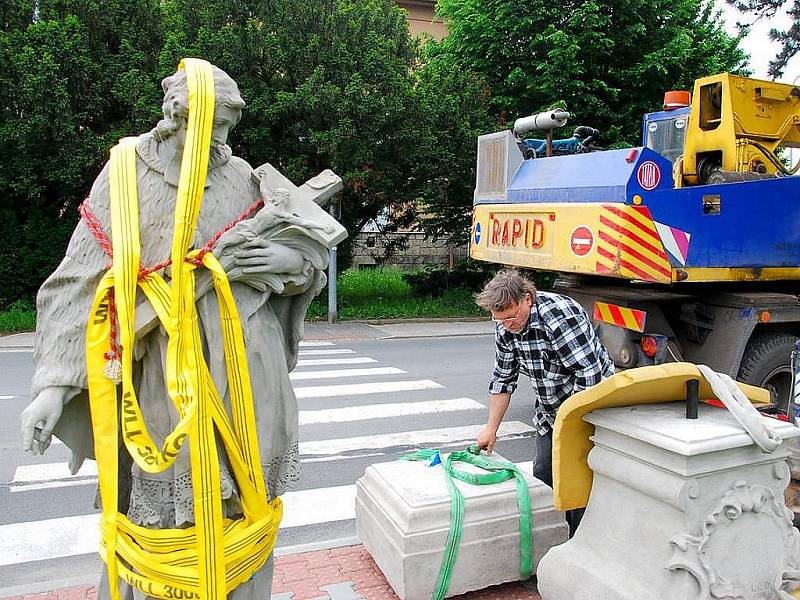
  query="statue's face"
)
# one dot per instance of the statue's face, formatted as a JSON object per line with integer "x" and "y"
{"x": 225, "y": 118}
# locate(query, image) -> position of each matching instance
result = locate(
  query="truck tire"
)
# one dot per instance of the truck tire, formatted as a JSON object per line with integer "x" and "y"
{"x": 766, "y": 363}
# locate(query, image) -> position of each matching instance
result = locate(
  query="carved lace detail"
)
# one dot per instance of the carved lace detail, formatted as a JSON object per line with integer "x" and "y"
{"x": 160, "y": 504}
{"x": 282, "y": 472}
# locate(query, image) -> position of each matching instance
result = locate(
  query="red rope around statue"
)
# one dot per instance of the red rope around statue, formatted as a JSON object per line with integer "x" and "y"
{"x": 99, "y": 234}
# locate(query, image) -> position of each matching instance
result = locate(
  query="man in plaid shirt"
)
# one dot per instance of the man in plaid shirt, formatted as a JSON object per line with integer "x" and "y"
{"x": 549, "y": 338}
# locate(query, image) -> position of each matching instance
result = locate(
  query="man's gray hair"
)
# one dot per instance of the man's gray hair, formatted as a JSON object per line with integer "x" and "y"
{"x": 508, "y": 287}
{"x": 176, "y": 98}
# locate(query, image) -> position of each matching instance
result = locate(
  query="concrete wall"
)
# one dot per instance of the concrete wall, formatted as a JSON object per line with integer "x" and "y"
{"x": 369, "y": 249}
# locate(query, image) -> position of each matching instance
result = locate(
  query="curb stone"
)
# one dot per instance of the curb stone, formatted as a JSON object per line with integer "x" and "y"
{"x": 343, "y": 330}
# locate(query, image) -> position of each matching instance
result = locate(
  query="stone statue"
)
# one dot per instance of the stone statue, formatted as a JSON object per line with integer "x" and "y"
{"x": 275, "y": 263}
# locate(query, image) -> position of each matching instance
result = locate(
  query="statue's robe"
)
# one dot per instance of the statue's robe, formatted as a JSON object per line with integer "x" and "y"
{"x": 272, "y": 324}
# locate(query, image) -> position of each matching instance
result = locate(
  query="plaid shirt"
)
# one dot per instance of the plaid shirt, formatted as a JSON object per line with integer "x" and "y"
{"x": 558, "y": 350}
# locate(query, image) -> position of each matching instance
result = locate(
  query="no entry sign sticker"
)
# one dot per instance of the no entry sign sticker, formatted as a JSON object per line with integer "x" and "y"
{"x": 581, "y": 241}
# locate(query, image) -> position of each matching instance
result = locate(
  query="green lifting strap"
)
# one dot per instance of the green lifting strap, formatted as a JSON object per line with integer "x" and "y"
{"x": 498, "y": 472}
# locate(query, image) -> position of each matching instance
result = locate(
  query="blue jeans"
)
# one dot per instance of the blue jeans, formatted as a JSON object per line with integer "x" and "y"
{"x": 543, "y": 470}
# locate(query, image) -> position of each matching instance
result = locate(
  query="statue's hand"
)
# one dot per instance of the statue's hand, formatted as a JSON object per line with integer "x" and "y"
{"x": 44, "y": 411}
{"x": 259, "y": 256}
{"x": 254, "y": 280}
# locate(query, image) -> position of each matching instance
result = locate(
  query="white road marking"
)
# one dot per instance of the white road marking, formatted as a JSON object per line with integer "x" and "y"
{"x": 45, "y": 485}
{"x": 52, "y": 475}
{"x": 21, "y": 350}
{"x": 418, "y": 439}
{"x": 48, "y": 539}
{"x": 359, "y": 389}
{"x": 7, "y": 397}
{"x": 385, "y": 411}
{"x": 336, "y": 373}
{"x": 305, "y": 344}
{"x": 303, "y": 507}
{"x": 323, "y": 362}
{"x": 72, "y": 536}
{"x": 325, "y": 352}
{"x": 32, "y": 477}
{"x": 525, "y": 467}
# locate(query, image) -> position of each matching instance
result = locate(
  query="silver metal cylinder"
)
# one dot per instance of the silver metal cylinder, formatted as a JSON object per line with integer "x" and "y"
{"x": 543, "y": 121}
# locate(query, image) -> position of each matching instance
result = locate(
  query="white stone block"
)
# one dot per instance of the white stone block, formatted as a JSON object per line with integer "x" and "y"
{"x": 403, "y": 518}
{"x": 679, "y": 509}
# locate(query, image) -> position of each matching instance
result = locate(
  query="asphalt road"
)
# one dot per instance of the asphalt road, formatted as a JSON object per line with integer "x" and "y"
{"x": 361, "y": 402}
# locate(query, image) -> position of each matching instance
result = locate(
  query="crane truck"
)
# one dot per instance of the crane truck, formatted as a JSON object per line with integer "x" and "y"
{"x": 684, "y": 248}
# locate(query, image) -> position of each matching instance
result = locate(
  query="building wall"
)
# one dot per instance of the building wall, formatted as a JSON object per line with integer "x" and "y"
{"x": 421, "y": 18}
{"x": 369, "y": 250}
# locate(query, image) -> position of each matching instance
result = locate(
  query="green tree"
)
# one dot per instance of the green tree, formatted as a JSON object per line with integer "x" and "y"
{"x": 454, "y": 106}
{"x": 328, "y": 85}
{"x": 74, "y": 77}
{"x": 788, "y": 37}
{"x": 608, "y": 61}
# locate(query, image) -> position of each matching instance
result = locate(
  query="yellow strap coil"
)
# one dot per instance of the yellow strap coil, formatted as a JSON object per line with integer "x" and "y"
{"x": 215, "y": 555}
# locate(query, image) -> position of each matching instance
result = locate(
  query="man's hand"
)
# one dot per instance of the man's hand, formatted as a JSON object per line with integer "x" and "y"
{"x": 259, "y": 256}
{"x": 498, "y": 405}
{"x": 40, "y": 417}
{"x": 487, "y": 438}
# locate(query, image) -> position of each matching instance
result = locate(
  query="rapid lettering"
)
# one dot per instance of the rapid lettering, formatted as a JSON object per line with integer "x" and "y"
{"x": 517, "y": 232}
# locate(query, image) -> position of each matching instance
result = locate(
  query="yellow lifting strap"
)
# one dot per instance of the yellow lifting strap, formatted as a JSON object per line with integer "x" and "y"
{"x": 215, "y": 555}
{"x": 572, "y": 436}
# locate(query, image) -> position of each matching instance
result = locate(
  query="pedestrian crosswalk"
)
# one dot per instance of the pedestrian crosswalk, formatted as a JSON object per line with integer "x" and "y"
{"x": 28, "y": 478}
{"x": 337, "y": 373}
{"x": 369, "y": 412}
{"x": 360, "y": 389}
{"x": 354, "y": 410}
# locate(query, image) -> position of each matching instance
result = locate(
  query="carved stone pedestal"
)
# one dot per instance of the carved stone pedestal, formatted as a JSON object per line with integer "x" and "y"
{"x": 680, "y": 510}
{"x": 403, "y": 518}
{"x": 792, "y": 494}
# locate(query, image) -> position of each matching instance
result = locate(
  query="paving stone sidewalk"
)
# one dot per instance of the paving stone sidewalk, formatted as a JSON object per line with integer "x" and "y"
{"x": 347, "y": 573}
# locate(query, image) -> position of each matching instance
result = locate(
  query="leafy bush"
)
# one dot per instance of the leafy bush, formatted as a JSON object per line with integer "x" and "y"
{"x": 470, "y": 275}
{"x": 434, "y": 280}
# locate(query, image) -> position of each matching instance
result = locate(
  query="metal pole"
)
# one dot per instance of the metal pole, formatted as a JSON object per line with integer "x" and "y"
{"x": 332, "y": 300}
{"x": 692, "y": 400}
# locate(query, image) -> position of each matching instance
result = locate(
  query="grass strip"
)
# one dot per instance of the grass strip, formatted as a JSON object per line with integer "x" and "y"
{"x": 21, "y": 316}
{"x": 453, "y": 303}
{"x": 384, "y": 294}
{"x": 363, "y": 294}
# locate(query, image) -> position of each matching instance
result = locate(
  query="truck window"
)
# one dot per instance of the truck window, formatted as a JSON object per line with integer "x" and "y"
{"x": 710, "y": 106}
{"x": 667, "y": 136}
